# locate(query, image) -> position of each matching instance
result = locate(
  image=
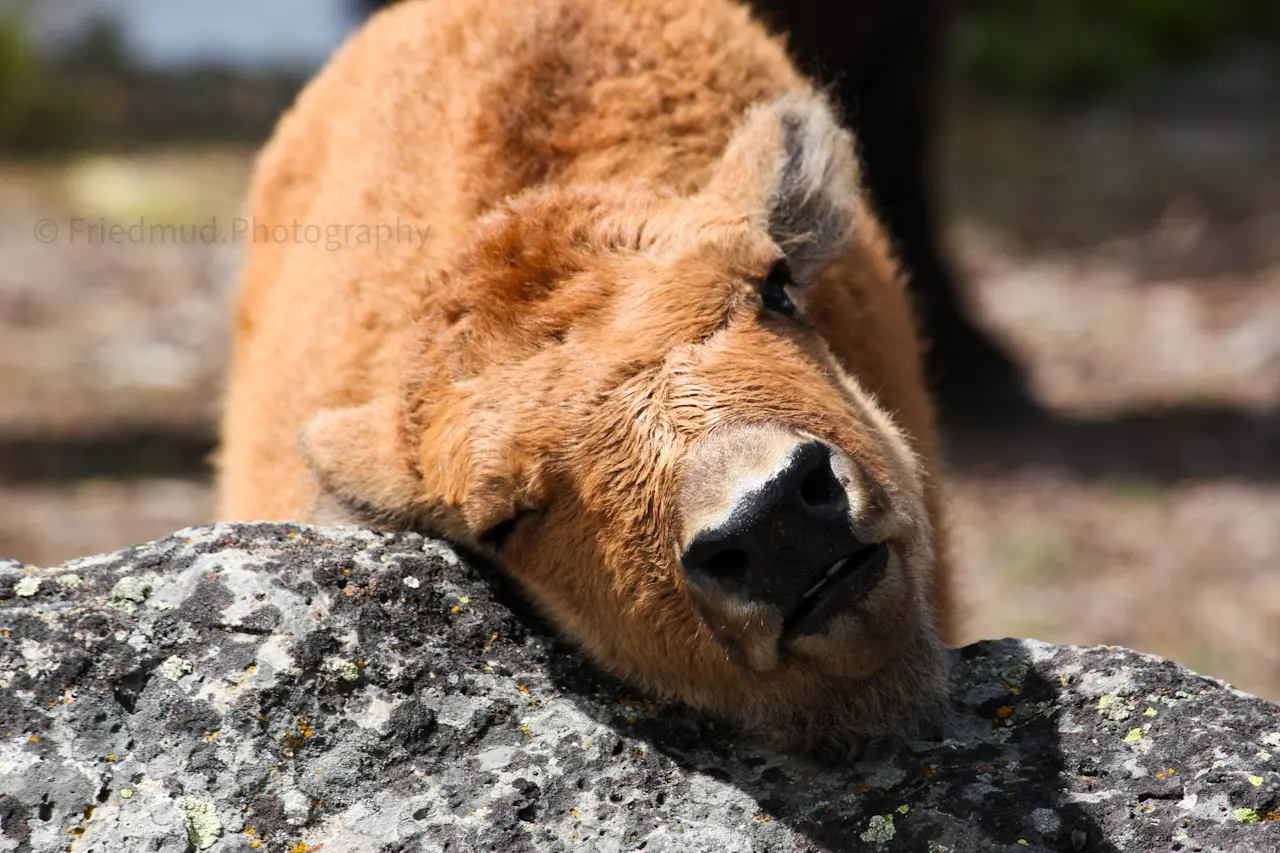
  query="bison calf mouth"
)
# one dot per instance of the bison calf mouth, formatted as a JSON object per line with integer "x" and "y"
{"x": 842, "y": 587}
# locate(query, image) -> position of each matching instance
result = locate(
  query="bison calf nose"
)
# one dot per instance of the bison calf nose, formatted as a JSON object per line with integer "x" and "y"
{"x": 783, "y": 540}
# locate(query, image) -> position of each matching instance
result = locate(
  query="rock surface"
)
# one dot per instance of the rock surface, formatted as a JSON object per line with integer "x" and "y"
{"x": 280, "y": 687}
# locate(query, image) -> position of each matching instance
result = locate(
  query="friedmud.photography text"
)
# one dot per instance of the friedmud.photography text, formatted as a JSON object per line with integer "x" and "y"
{"x": 331, "y": 236}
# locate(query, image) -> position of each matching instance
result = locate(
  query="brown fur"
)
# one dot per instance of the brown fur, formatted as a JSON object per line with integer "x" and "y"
{"x": 606, "y": 184}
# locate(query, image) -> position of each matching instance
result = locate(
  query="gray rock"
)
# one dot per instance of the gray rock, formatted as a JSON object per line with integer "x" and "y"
{"x": 281, "y": 687}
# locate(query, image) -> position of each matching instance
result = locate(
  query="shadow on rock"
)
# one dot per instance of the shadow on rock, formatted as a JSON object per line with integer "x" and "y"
{"x": 993, "y": 782}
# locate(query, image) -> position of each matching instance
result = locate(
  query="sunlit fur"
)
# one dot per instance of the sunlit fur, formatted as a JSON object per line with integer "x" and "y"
{"x": 606, "y": 185}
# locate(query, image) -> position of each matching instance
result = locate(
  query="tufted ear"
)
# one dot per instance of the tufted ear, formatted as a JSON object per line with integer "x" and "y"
{"x": 360, "y": 459}
{"x": 791, "y": 167}
{"x": 460, "y": 477}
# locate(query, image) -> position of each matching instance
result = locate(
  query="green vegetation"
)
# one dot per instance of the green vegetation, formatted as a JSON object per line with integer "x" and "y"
{"x": 38, "y": 109}
{"x": 92, "y": 96}
{"x": 1042, "y": 51}
{"x": 1072, "y": 50}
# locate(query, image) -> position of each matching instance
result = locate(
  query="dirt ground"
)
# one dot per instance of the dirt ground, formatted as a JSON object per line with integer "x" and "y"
{"x": 1131, "y": 260}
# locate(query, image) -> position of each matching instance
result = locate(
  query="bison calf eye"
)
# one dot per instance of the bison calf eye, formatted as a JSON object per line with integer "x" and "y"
{"x": 774, "y": 290}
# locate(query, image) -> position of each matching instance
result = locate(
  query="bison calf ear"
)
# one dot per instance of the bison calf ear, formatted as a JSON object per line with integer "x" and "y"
{"x": 358, "y": 458}
{"x": 791, "y": 167}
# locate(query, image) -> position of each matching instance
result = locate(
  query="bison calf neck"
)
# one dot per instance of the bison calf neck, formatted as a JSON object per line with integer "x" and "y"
{"x": 592, "y": 287}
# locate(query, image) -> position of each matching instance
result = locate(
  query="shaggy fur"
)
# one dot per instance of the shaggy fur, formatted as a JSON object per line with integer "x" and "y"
{"x": 606, "y": 185}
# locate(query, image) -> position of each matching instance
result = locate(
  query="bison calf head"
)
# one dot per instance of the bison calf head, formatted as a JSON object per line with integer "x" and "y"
{"x": 626, "y": 396}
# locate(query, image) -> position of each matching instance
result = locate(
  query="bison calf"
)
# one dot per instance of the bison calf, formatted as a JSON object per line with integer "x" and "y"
{"x": 653, "y": 356}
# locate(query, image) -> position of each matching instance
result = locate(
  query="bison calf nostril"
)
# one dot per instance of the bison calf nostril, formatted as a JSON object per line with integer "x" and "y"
{"x": 727, "y": 567}
{"x": 820, "y": 488}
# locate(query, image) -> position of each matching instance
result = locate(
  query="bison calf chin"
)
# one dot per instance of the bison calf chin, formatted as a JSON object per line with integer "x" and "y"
{"x": 654, "y": 358}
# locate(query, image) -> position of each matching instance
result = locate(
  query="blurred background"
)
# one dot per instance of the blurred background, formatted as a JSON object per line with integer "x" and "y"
{"x": 1108, "y": 173}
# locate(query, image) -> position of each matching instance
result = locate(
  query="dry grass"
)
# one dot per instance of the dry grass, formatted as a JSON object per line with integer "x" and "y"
{"x": 1187, "y": 571}
{"x": 1134, "y": 265}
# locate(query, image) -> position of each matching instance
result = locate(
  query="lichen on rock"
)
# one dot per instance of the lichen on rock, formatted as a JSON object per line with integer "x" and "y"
{"x": 27, "y": 587}
{"x": 203, "y": 825}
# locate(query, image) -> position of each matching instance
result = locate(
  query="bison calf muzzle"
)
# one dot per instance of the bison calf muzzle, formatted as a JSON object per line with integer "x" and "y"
{"x": 791, "y": 542}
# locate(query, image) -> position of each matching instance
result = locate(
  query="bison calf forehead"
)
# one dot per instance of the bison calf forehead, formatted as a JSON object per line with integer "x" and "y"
{"x": 668, "y": 269}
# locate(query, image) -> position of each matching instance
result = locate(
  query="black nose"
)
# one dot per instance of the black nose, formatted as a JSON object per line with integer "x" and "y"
{"x": 781, "y": 541}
